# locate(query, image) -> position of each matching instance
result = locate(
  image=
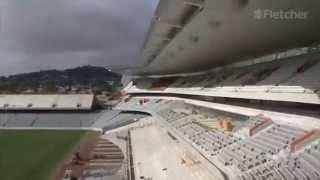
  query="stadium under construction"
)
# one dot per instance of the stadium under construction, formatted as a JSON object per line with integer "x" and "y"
{"x": 225, "y": 92}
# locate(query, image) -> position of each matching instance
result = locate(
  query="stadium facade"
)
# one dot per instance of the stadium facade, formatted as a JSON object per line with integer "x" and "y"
{"x": 235, "y": 87}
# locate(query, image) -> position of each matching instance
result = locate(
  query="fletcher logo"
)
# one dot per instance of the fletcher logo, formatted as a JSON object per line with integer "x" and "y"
{"x": 261, "y": 14}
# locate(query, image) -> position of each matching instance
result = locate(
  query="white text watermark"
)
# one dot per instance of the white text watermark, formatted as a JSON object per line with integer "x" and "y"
{"x": 261, "y": 14}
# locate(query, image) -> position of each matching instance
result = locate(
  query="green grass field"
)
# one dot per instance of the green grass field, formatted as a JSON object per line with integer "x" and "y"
{"x": 34, "y": 154}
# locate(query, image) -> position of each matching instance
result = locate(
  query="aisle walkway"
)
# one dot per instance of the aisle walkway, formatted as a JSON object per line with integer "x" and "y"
{"x": 156, "y": 156}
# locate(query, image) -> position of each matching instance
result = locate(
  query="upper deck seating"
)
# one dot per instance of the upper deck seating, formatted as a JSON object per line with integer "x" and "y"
{"x": 218, "y": 77}
{"x": 290, "y": 75}
{"x": 287, "y": 70}
{"x": 306, "y": 76}
{"x": 144, "y": 83}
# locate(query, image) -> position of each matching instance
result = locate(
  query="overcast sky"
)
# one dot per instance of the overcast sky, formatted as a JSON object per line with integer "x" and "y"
{"x": 48, "y": 34}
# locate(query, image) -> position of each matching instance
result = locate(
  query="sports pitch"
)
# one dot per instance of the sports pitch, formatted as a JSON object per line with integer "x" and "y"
{"x": 34, "y": 154}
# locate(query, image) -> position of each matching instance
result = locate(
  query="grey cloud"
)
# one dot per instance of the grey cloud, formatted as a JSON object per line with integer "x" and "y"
{"x": 46, "y": 34}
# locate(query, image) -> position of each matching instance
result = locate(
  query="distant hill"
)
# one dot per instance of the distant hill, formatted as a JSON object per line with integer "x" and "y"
{"x": 85, "y": 77}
